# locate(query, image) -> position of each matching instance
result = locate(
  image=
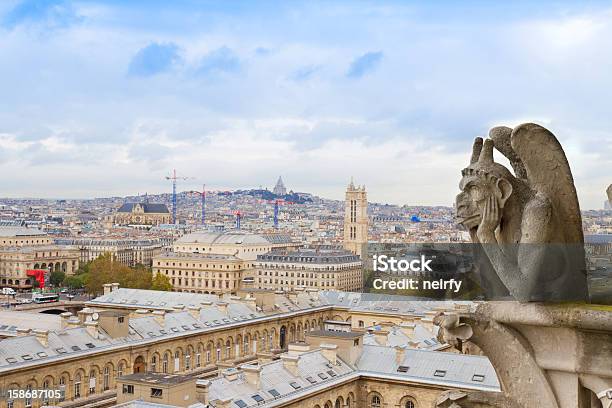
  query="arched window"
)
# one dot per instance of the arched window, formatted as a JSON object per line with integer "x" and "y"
{"x": 106, "y": 379}
{"x": 375, "y": 401}
{"x": 120, "y": 369}
{"x": 45, "y": 396}
{"x": 187, "y": 362}
{"x": 165, "y": 364}
{"x": 92, "y": 382}
{"x": 199, "y": 357}
{"x": 77, "y": 386}
{"x": 62, "y": 387}
{"x": 177, "y": 361}
{"x": 28, "y": 400}
{"x": 154, "y": 363}
{"x": 409, "y": 404}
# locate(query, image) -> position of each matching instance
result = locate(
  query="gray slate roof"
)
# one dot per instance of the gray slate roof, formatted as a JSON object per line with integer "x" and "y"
{"x": 148, "y": 208}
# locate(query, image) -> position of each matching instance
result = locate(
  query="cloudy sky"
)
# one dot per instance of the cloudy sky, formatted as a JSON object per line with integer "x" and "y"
{"x": 102, "y": 98}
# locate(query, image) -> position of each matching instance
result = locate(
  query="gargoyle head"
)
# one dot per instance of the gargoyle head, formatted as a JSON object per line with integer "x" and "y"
{"x": 482, "y": 179}
{"x": 452, "y": 331}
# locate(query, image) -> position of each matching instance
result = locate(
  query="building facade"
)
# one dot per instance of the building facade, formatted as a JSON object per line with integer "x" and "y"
{"x": 325, "y": 269}
{"x": 146, "y": 214}
{"x": 201, "y": 273}
{"x": 130, "y": 252}
{"x": 356, "y": 219}
{"x": 242, "y": 244}
{"x": 23, "y": 249}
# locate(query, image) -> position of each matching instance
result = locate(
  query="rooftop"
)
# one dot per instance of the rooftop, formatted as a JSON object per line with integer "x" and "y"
{"x": 157, "y": 378}
{"x": 315, "y": 256}
{"x": 16, "y": 231}
{"x": 148, "y": 208}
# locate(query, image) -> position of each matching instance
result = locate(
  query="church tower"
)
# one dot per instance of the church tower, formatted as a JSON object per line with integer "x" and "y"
{"x": 356, "y": 219}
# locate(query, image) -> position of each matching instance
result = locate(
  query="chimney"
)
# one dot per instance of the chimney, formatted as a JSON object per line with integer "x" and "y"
{"x": 160, "y": 317}
{"x": 252, "y": 374}
{"x": 108, "y": 288}
{"x": 230, "y": 374}
{"x": 92, "y": 329}
{"x": 329, "y": 351}
{"x": 381, "y": 337}
{"x": 400, "y": 353}
{"x": 115, "y": 286}
{"x": 407, "y": 329}
{"x": 195, "y": 311}
{"x": 65, "y": 318}
{"x": 413, "y": 344}
{"x": 22, "y": 332}
{"x": 251, "y": 302}
{"x": 42, "y": 336}
{"x": 73, "y": 322}
{"x": 85, "y": 314}
{"x": 202, "y": 391}
{"x": 222, "y": 306}
{"x": 290, "y": 362}
{"x": 223, "y": 403}
{"x": 296, "y": 349}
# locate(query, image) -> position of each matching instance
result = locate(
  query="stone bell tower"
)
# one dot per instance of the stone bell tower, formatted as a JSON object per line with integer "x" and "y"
{"x": 356, "y": 219}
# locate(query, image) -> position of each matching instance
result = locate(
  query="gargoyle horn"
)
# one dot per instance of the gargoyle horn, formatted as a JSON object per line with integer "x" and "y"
{"x": 486, "y": 154}
{"x": 476, "y": 149}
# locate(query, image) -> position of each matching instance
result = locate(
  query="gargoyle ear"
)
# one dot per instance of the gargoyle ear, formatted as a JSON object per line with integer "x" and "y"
{"x": 504, "y": 189}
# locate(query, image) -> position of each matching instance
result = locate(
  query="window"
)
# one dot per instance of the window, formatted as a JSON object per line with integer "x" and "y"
{"x": 375, "y": 402}
{"x": 77, "y": 386}
{"x": 120, "y": 369}
{"x": 409, "y": 404}
{"x": 402, "y": 369}
{"x": 440, "y": 373}
{"x": 128, "y": 389}
{"x": 295, "y": 385}
{"x": 257, "y": 398}
{"x": 165, "y": 364}
{"x": 62, "y": 387}
{"x": 28, "y": 400}
{"x": 478, "y": 377}
{"x": 45, "y": 396}
{"x": 177, "y": 361}
{"x": 311, "y": 380}
{"x": 121, "y": 319}
{"x": 274, "y": 393}
{"x": 92, "y": 382}
{"x": 156, "y": 392}
{"x": 106, "y": 379}
{"x": 240, "y": 403}
{"x": 154, "y": 363}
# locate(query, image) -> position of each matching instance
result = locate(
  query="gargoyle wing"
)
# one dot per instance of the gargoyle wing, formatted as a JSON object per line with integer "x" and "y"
{"x": 548, "y": 172}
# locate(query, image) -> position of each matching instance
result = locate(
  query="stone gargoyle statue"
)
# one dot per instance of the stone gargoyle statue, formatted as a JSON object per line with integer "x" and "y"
{"x": 527, "y": 223}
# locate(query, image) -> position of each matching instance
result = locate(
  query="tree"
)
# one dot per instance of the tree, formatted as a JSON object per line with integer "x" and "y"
{"x": 105, "y": 269}
{"x": 73, "y": 282}
{"x": 56, "y": 278}
{"x": 161, "y": 282}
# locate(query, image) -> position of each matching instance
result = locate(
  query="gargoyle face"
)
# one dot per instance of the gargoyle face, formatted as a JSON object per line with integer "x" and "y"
{"x": 475, "y": 191}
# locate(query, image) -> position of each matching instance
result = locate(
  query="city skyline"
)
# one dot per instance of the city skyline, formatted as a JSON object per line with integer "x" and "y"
{"x": 104, "y": 98}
